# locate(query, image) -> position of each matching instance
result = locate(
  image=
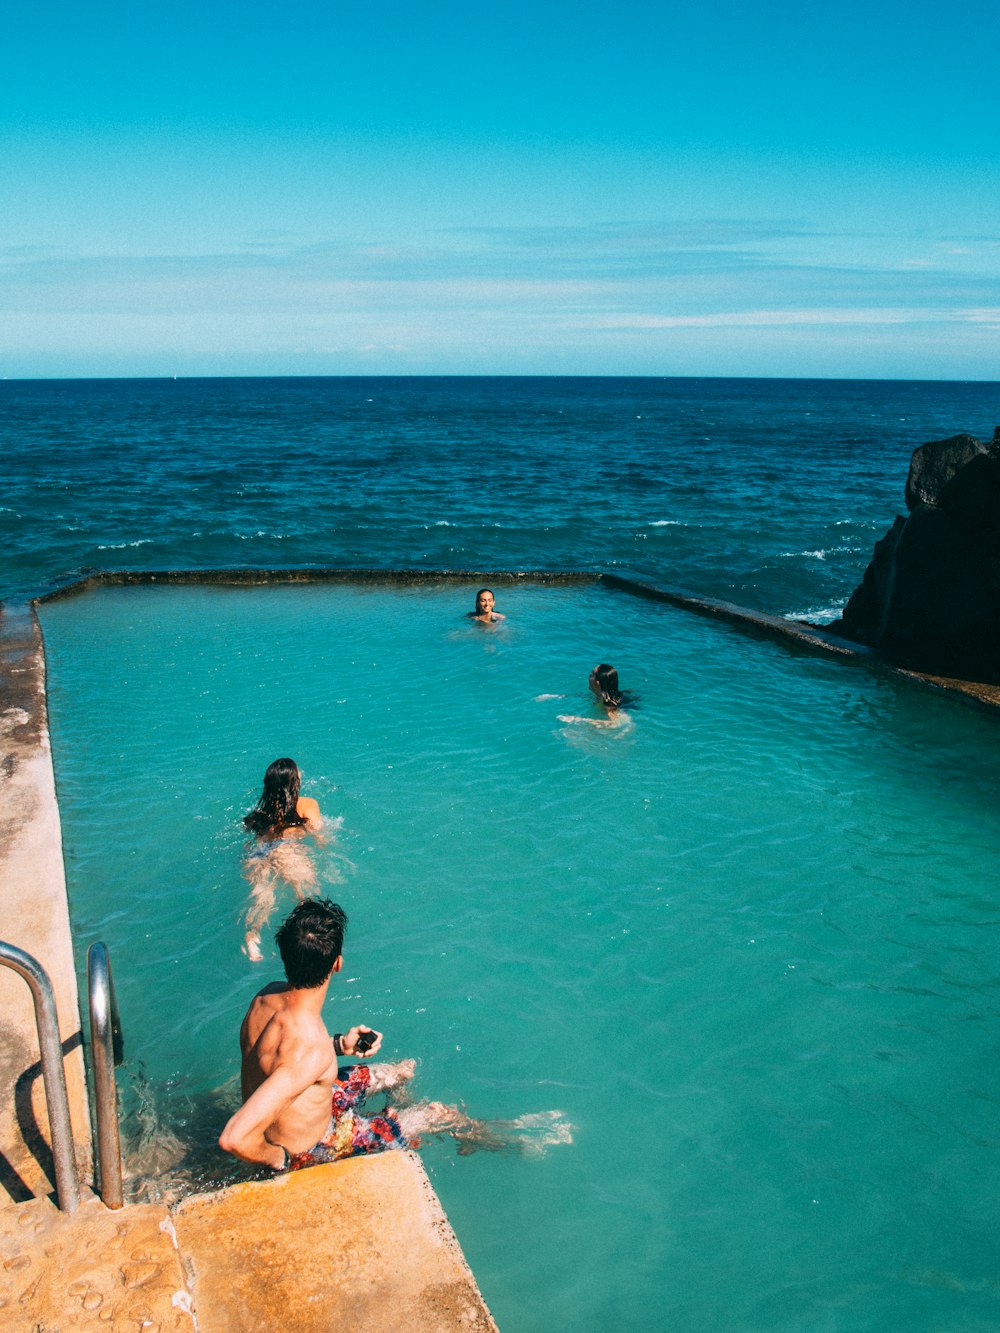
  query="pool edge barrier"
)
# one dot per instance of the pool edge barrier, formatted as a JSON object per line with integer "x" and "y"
{"x": 34, "y": 917}
{"x": 799, "y": 634}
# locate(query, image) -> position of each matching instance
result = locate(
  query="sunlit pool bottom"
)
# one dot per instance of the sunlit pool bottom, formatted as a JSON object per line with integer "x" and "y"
{"x": 745, "y": 947}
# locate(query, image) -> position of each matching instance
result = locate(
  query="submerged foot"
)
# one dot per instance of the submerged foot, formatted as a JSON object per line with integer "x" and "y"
{"x": 529, "y": 1134}
{"x": 431, "y": 1118}
{"x": 252, "y": 949}
{"x": 385, "y": 1076}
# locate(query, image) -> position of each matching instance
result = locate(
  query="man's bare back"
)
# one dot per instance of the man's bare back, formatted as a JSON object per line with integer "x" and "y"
{"x": 295, "y": 1105}
{"x": 289, "y": 1062}
{"x": 283, "y": 1041}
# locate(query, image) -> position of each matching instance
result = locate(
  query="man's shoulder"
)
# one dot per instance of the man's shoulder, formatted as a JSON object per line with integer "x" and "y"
{"x": 262, "y": 1010}
{"x": 272, "y": 988}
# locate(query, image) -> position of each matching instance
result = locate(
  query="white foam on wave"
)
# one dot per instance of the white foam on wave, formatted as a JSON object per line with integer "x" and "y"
{"x": 123, "y": 546}
{"x": 821, "y": 614}
{"x": 820, "y": 554}
{"x": 667, "y": 523}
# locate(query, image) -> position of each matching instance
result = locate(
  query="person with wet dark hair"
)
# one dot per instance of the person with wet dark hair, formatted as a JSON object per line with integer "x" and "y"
{"x": 484, "y": 612}
{"x": 280, "y": 806}
{"x": 280, "y": 821}
{"x": 603, "y": 682}
{"x": 299, "y": 1108}
{"x": 310, "y": 941}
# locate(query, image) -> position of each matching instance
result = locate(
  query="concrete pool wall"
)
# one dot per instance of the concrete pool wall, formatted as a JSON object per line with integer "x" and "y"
{"x": 34, "y": 916}
{"x": 758, "y": 624}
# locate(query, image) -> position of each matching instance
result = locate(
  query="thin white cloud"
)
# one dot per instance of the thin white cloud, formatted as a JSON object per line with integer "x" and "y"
{"x": 772, "y": 318}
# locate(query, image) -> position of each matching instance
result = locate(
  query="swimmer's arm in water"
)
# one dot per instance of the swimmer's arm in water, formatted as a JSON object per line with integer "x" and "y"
{"x": 617, "y": 719}
{"x": 244, "y": 1133}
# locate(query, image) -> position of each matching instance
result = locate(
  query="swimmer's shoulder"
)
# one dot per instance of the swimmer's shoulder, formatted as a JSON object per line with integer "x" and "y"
{"x": 308, "y": 809}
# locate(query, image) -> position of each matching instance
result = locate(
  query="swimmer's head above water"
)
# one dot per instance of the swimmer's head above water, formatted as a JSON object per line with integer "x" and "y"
{"x": 311, "y": 942}
{"x": 604, "y": 682}
{"x": 276, "y": 809}
{"x": 485, "y": 602}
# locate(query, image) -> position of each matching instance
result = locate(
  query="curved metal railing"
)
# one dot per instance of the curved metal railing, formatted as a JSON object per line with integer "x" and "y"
{"x": 107, "y": 1051}
{"x": 53, "y": 1072}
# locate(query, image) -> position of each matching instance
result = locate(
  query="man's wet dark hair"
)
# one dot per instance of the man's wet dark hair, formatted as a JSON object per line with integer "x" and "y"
{"x": 310, "y": 941}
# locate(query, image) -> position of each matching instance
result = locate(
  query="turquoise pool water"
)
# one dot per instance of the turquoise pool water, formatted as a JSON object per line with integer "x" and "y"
{"x": 747, "y": 948}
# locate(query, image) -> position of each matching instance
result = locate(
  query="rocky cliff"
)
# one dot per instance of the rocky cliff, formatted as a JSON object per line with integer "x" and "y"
{"x": 930, "y": 599}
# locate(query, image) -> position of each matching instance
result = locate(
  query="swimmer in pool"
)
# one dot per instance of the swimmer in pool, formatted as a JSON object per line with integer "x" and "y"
{"x": 484, "y": 612}
{"x": 280, "y": 821}
{"x": 299, "y": 1109}
{"x": 603, "y": 682}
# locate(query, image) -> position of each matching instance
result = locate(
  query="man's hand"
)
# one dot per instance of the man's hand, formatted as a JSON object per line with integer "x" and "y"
{"x": 349, "y": 1042}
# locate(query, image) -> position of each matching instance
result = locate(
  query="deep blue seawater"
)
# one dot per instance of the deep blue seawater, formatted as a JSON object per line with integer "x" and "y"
{"x": 770, "y": 493}
{"x": 747, "y": 948}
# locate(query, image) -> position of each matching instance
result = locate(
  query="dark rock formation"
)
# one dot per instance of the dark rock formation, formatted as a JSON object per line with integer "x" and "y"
{"x": 930, "y": 599}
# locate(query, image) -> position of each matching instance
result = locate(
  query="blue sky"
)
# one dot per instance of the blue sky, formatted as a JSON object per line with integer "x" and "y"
{"x": 387, "y": 188}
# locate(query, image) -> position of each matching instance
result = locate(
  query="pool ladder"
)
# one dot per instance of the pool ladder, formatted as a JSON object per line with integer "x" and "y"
{"x": 107, "y": 1051}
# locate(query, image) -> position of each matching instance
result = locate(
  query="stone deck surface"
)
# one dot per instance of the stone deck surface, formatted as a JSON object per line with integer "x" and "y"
{"x": 360, "y": 1246}
{"x": 34, "y": 917}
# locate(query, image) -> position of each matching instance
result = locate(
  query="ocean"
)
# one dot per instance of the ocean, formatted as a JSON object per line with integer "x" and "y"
{"x": 768, "y": 493}
{"x": 728, "y": 972}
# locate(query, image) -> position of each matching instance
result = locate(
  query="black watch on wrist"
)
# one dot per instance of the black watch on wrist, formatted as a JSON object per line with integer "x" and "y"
{"x": 338, "y": 1043}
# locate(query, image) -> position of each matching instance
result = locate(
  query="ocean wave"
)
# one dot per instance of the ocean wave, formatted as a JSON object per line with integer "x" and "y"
{"x": 123, "y": 546}
{"x": 668, "y": 523}
{"x": 821, "y": 614}
{"x": 822, "y": 553}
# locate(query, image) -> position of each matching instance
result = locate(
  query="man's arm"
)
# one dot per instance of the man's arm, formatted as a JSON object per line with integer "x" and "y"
{"x": 243, "y": 1136}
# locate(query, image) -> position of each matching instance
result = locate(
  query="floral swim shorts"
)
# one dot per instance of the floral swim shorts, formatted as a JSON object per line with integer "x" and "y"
{"x": 349, "y": 1133}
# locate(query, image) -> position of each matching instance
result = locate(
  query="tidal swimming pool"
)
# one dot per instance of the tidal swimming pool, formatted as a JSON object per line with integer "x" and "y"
{"x": 747, "y": 947}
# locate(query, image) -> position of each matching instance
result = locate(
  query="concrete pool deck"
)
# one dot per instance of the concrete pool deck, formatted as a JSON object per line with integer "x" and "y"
{"x": 361, "y": 1245}
{"x": 34, "y": 917}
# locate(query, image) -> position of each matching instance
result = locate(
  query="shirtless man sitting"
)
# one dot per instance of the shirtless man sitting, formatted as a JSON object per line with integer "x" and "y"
{"x": 297, "y": 1111}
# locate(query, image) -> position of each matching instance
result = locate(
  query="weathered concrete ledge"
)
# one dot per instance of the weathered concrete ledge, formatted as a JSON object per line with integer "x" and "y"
{"x": 796, "y": 633}
{"x": 34, "y": 916}
{"x": 362, "y": 1245}
{"x": 251, "y": 577}
{"x": 813, "y": 639}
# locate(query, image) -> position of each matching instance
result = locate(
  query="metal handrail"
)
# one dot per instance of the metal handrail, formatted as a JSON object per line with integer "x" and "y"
{"x": 107, "y": 1050}
{"x": 53, "y": 1071}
